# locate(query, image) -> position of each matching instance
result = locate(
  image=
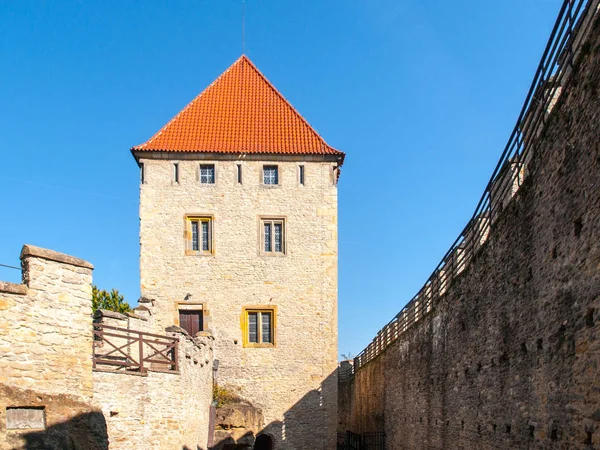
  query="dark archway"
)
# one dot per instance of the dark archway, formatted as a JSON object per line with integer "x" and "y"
{"x": 263, "y": 442}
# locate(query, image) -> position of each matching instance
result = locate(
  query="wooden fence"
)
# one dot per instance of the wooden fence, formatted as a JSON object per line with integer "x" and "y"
{"x": 125, "y": 349}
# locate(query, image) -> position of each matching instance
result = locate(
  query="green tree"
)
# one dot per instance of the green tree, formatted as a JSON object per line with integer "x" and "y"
{"x": 112, "y": 301}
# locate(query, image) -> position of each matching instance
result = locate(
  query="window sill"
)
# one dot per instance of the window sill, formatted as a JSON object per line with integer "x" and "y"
{"x": 198, "y": 253}
{"x": 254, "y": 345}
{"x": 273, "y": 255}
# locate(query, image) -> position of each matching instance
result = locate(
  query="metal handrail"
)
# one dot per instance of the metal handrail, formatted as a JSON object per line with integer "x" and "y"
{"x": 553, "y": 72}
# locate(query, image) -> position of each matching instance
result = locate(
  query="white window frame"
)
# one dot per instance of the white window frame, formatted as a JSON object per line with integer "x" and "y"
{"x": 270, "y": 166}
{"x": 214, "y": 174}
{"x": 199, "y": 219}
{"x": 272, "y": 221}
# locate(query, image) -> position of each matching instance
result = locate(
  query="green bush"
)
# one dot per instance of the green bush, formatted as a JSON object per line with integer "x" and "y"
{"x": 224, "y": 395}
{"x": 112, "y": 301}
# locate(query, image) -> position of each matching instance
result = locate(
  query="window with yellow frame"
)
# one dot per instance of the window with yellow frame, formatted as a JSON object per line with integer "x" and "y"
{"x": 198, "y": 235}
{"x": 258, "y": 326}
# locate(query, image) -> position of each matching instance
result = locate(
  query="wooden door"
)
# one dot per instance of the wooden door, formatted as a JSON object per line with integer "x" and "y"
{"x": 191, "y": 321}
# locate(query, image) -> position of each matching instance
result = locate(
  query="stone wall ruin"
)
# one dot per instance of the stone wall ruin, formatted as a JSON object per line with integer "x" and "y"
{"x": 50, "y": 395}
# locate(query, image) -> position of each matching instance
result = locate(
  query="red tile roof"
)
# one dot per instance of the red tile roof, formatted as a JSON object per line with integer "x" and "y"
{"x": 240, "y": 112}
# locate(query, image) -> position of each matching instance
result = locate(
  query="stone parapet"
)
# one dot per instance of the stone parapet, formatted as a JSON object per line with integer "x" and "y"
{"x": 45, "y": 324}
{"x": 45, "y": 348}
{"x": 51, "y": 255}
{"x": 48, "y": 390}
{"x": 12, "y": 288}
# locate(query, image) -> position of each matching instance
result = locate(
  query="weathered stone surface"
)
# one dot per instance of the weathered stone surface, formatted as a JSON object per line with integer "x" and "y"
{"x": 12, "y": 288}
{"x": 70, "y": 422}
{"x": 237, "y": 423}
{"x": 176, "y": 329}
{"x": 46, "y": 347}
{"x": 20, "y": 418}
{"x": 51, "y": 255}
{"x": 293, "y": 382}
{"x": 100, "y": 313}
{"x": 509, "y": 358}
{"x": 162, "y": 410}
{"x": 48, "y": 341}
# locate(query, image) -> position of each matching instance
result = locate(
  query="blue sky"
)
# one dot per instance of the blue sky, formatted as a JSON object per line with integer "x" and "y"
{"x": 420, "y": 94}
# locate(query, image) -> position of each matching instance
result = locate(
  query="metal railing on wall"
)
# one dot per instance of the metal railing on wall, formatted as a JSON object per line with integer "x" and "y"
{"x": 554, "y": 71}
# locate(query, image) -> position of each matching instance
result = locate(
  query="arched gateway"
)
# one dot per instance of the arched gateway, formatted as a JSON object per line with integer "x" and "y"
{"x": 263, "y": 442}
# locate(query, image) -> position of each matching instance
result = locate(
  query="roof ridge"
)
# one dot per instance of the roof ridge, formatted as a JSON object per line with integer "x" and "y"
{"x": 240, "y": 111}
{"x": 194, "y": 100}
{"x": 280, "y": 95}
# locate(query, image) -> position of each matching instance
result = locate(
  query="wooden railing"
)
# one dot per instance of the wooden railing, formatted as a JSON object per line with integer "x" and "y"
{"x": 552, "y": 76}
{"x": 131, "y": 350}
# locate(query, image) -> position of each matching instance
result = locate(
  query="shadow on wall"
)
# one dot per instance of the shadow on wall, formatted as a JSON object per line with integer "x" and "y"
{"x": 83, "y": 432}
{"x": 310, "y": 423}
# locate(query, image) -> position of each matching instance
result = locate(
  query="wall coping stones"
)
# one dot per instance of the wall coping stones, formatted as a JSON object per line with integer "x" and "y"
{"x": 135, "y": 316}
{"x": 111, "y": 314}
{"x": 117, "y": 315}
{"x": 176, "y": 329}
{"x": 141, "y": 308}
{"x": 12, "y": 288}
{"x": 51, "y": 255}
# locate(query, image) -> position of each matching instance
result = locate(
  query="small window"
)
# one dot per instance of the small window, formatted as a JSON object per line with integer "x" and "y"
{"x": 239, "y": 173}
{"x": 270, "y": 175}
{"x": 176, "y": 172}
{"x": 259, "y": 327}
{"x": 207, "y": 173}
{"x": 301, "y": 175}
{"x": 191, "y": 321}
{"x": 142, "y": 174}
{"x": 273, "y": 236}
{"x": 198, "y": 235}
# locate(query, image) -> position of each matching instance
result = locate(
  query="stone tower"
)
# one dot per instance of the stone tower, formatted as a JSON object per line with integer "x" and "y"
{"x": 238, "y": 233}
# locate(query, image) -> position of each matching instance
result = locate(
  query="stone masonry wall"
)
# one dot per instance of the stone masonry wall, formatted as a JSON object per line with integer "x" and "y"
{"x": 162, "y": 410}
{"x": 294, "y": 382}
{"x": 45, "y": 342}
{"x": 510, "y": 356}
{"x": 51, "y": 398}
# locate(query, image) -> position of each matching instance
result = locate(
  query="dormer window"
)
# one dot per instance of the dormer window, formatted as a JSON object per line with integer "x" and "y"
{"x": 270, "y": 175}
